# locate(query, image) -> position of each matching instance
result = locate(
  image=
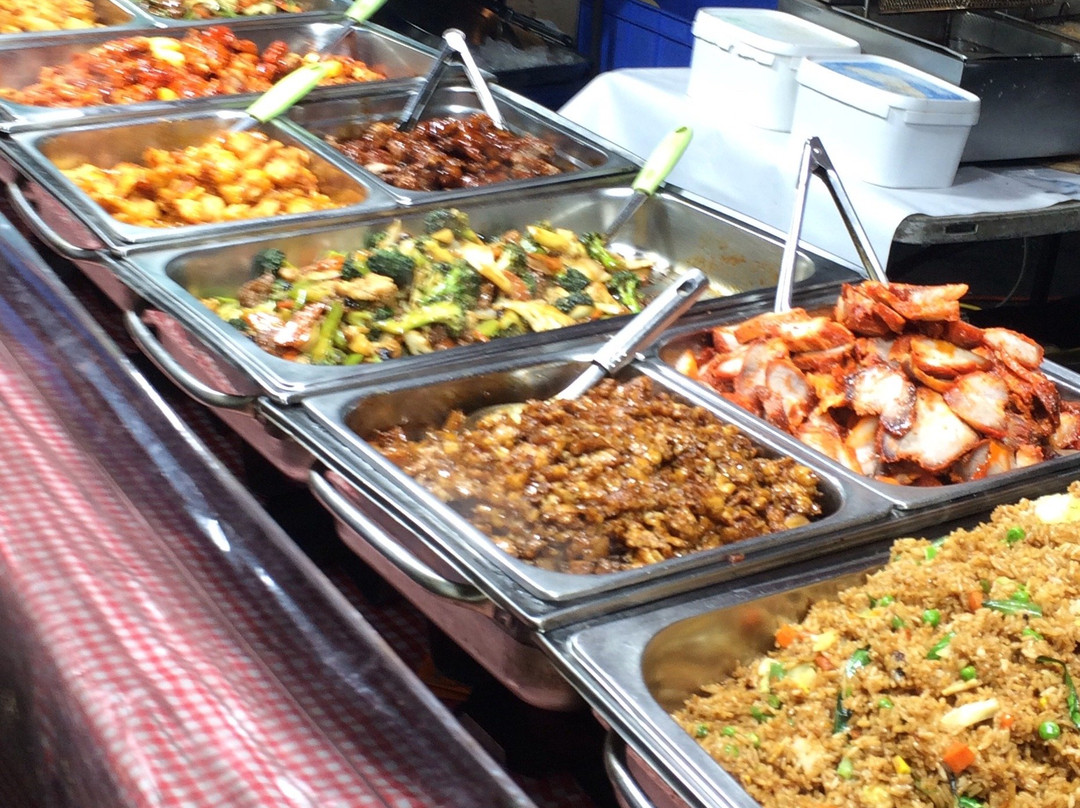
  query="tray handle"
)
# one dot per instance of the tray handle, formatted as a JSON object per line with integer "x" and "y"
{"x": 144, "y": 337}
{"x": 417, "y": 571}
{"x": 30, "y": 215}
{"x": 623, "y": 781}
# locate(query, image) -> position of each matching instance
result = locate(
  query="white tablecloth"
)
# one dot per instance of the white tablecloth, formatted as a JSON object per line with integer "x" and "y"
{"x": 753, "y": 171}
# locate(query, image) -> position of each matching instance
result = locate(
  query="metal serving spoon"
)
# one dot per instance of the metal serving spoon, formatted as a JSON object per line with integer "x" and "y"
{"x": 655, "y": 170}
{"x": 282, "y": 95}
{"x": 639, "y": 332}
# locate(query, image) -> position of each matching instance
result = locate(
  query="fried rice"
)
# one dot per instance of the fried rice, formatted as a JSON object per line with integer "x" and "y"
{"x": 944, "y": 681}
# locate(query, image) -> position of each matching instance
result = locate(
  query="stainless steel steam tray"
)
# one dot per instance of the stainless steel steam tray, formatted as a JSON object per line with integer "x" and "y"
{"x": 115, "y": 16}
{"x": 735, "y": 255}
{"x": 43, "y": 155}
{"x": 541, "y": 598}
{"x": 949, "y": 501}
{"x": 398, "y": 58}
{"x": 580, "y": 153}
{"x": 636, "y": 666}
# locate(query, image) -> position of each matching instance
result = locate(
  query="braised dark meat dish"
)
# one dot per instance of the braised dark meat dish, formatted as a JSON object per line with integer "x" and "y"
{"x": 622, "y": 477}
{"x": 443, "y": 153}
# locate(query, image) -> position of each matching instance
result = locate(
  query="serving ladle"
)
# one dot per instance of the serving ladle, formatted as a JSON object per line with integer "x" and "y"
{"x": 453, "y": 42}
{"x": 639, "y": 332}
{"x": 815, "y": 162}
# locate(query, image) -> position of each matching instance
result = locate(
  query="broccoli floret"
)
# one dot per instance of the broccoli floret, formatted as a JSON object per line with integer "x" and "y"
{"x": 508, "y": 325}
{"x": 517, "y": 258}
{"x": 352, "y": 268}
{"x": 572, "y": 280}
{"x": 269, "y": 260}
{"x": 568, "y": 303}
{"x": 443, "y": 312}
{"x": 395, "y": 265}
{"x": 456, "y": 281}
{"x": 449, "y": 218}
{"x": 598, "y": 251}
{"x": 279, "y": 289}
{"x": 382, "y": 313}
{"x": 240, "y": 324}
{"x": 374, "y": 239}
{"x": 625, "y": 286}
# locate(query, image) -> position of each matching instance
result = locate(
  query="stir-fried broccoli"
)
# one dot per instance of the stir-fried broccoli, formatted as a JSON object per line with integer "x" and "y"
{"x": 568, "y": 303}
{"x": 456, "y": 281}
{"x": 572, "y": 280}
{"x": 269, "y": 260}
{"x": 374, "y": 239}
{"x": 598, "y": 251}
{"x": 394, "y": 264}
{"x": 450, "y": 219}
{"x": 508, "y": 325}
{"x": 441, "y": 312}
{"x": 353, "y": 268}
{"x": 625, "y": 286}
{"x": 515, "y": 255}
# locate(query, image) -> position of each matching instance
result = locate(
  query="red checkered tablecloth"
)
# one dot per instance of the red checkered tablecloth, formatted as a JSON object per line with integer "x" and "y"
{"x": 164, "y": 642}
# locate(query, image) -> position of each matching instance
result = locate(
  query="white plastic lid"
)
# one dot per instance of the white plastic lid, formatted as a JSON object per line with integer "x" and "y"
{"x": 876, "y": 85}
{"x": 769, "y": 30}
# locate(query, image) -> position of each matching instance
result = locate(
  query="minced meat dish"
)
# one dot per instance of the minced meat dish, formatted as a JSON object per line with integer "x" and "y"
{"x": 626, "y": 475}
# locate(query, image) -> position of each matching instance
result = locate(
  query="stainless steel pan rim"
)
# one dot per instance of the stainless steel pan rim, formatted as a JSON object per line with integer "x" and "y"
{"x": 120, "y": 16}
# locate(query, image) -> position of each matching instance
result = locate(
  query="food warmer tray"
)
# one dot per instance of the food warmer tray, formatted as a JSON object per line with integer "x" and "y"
{"x": 1026, "y": 78}
{"x": 117, "y": 17}
{"x": 633, "y": 667}
{"x": 543, "y": 598}
{"x": 736, "y": 255}
{"x": 489, "y": 602}
{"x": 580, "y": 151}
{"x": 40, "y": 156}
{"x": 21, "y": 62}
{"x": 949, "y": 501}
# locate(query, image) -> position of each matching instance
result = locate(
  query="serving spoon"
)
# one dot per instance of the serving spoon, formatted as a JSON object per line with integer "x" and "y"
{"x": 282, "y": 95}
{"x": 639, "y": 332}
{"x": 654, "y": 171}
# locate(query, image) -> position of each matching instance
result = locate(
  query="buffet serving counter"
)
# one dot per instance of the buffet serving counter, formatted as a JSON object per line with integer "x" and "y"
{"x": 166, "y": 643}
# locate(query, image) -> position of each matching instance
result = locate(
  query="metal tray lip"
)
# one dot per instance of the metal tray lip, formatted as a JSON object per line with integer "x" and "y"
{"x": 16, "y": 117}
{"x": 959, "y": 497}
{"x": 116, "y": 235}
{"x": 139, "y": 19}
{"x": 857, "y": 518}
{"x": 617, "y": 159}
{"x": 612, "y": 681}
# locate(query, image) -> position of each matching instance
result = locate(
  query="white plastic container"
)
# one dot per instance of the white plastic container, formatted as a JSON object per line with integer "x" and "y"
{"x": 744, "y": 61}
{"x": 884, "y": 122}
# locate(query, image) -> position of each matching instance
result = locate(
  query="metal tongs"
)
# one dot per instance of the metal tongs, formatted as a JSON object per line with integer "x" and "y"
{"x": 815, "y": 161}
{"x": 453, "y": 42}
{"x": 355, "y": 14}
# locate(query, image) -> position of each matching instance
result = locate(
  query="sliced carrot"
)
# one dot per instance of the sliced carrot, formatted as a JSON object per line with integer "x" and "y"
{"x": 958, "y": 756}
{"x": 1006, "y": 720}
{"x": 973, "y": 599}
{"x": 786, "y": 635}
